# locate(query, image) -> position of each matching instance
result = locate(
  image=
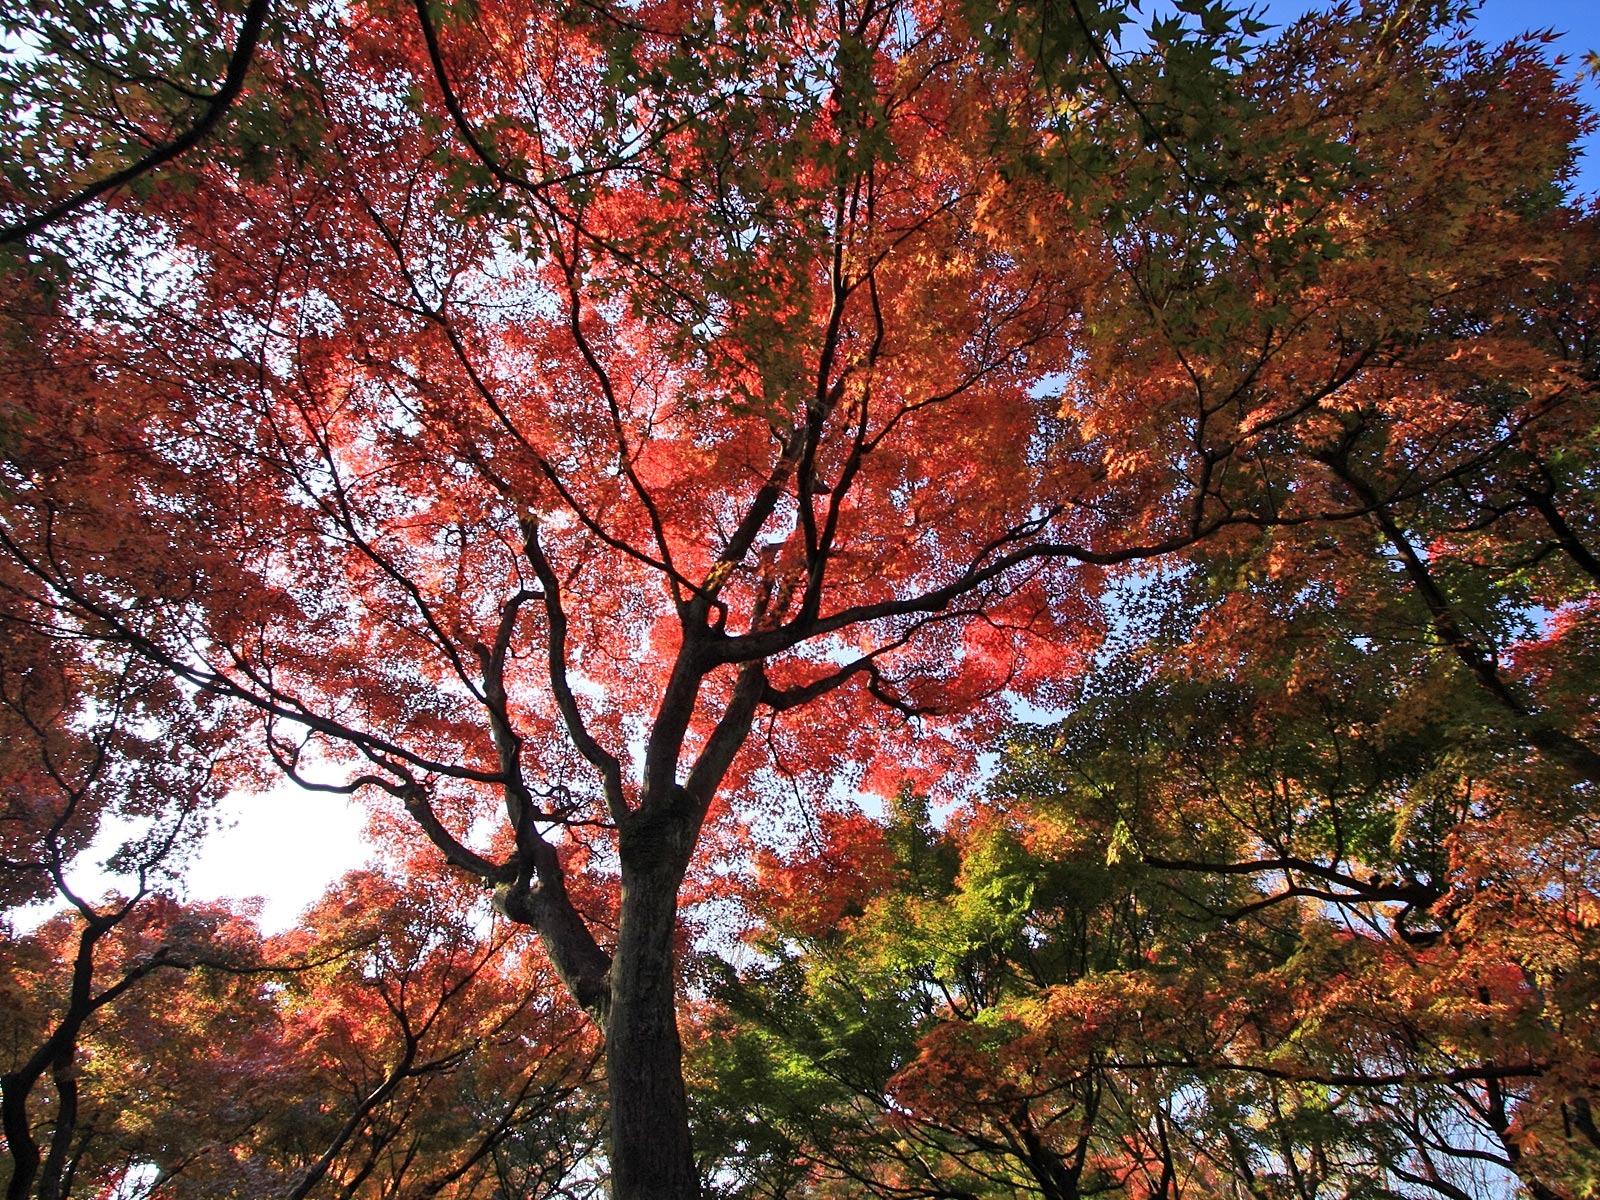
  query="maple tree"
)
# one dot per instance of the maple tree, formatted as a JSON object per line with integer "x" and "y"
{"x": 99, "y": 756}
{"x": 386, "y": 1048}
{"x": 128, "y": 1013}
{"x": 1286, "y": 929}
{"x": 591, "y": 428}
{"x": 396, "y": 1044}
{"x": 460, "y": 1072}
{"x": 1297, "y": 901}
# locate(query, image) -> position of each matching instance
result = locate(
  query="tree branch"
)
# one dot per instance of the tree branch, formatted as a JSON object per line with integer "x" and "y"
{"x": 255, "y": 16}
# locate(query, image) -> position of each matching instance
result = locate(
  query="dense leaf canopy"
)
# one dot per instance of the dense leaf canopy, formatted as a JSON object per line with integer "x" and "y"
{"x": 930, "y": 599}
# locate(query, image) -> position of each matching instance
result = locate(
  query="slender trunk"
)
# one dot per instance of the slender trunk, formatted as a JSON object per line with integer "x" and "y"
{"x": 23, "y": 1150}
{"x": 55, "y": 1163}
{"x": 652, "y": 1156}
{"x": 55, "y": 1055}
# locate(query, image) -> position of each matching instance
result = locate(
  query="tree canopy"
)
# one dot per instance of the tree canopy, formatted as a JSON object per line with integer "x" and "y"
{"x": 929, "y": 599}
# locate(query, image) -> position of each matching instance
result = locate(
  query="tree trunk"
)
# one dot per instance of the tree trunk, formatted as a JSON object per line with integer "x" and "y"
{"x": 66, "y": 1124}
{"x": 652, "y": 1156}
{"x": 22, "y": 1149}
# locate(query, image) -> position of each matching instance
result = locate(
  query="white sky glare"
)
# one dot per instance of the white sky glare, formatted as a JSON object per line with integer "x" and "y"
{"x": 284, "y": 846}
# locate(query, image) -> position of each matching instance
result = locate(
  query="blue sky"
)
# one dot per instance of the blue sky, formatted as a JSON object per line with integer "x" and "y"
{"x": 1576, "y": 22}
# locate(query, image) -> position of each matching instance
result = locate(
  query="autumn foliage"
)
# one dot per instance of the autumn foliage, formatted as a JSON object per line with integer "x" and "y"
{"x": 930, "y": 600}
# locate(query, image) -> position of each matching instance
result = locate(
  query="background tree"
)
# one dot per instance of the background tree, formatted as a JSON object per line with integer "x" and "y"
{"x": 106, "y": 775}
{"x": 1294, "y": 902}
{"x": 1274, "y": 936}
{"x": 402, "y": 1045}
{"x": 158, "y": 1048}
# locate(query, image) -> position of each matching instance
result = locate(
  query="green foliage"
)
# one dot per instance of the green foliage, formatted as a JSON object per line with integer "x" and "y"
{"x": 88, "y": 89}
{"x": 1221, "y": 919}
